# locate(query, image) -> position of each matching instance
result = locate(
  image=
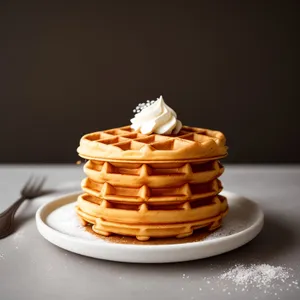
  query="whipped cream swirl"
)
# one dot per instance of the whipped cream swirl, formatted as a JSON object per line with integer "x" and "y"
{"x": 156, "y": 118}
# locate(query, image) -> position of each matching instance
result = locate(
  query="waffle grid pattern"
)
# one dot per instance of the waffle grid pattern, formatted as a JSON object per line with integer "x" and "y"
{"x": 144, "y": 232}
{"x": 145, "y": 213}
{"x": 124, "y": 142}
{"x": 152, "y": 185}
{"x": 152, "y": 200}
{"x": 144, "y": 194}
{"x": 144, "y": 174}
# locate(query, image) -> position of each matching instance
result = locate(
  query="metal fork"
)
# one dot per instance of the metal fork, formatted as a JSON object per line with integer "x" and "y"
{"x": 31, "y": 189}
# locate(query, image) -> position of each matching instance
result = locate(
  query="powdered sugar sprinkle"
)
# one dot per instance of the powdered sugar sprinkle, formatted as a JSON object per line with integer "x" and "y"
{"x": 65, "y": 219}
{"x": 258, "y": 275}
{"x": 142, "y": 106}
{"x": 260, "y": 279}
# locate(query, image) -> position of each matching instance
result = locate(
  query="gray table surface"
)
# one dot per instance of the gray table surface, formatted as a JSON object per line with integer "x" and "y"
{"x": 32, "y": 268}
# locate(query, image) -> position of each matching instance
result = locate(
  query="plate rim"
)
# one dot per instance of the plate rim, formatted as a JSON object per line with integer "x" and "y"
{"x": 130, "y": 253}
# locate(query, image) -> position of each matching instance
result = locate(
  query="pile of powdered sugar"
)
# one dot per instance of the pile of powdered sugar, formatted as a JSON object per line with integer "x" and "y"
{"x": 260, "y": 279}
{"x": 258, "y": 275}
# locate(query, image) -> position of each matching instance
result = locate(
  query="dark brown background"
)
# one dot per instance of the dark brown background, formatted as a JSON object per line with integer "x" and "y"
{"x": 67, "y": 70}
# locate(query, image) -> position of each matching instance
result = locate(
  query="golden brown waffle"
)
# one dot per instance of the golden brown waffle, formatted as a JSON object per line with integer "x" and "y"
{"x": 152, "y": 185}
{"x": 205, "y": 208}
{"x": 152, "y": 199}
{"x": 127, "y": 145}
{"x": 137, "y": 175}
{"x": 142, "y": 222}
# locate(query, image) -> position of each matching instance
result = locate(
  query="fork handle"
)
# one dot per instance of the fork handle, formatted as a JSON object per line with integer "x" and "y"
{"x": 7, "y": 218}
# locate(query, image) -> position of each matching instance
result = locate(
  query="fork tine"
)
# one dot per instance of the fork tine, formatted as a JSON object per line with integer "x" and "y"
{"x": 27, "y": 185}
{"x": 39, "y": 186}
{"x": 32, "y": 186}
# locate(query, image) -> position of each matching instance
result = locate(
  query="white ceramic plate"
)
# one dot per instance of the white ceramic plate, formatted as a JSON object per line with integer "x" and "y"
{"x": 57, "y": 222}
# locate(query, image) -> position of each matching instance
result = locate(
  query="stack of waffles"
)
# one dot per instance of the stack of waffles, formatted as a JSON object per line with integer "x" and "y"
{"x": 152, "y": 186}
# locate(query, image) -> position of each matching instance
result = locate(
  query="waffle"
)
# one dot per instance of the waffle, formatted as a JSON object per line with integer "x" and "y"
{"x": 141, "y": 175}
{"x": 152, "y": 185}
{"x": 139, "y": 221}
{"x": 130, "y": 214}
{"x": 125, "y": 144}
{"x": 154, "y": 199}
